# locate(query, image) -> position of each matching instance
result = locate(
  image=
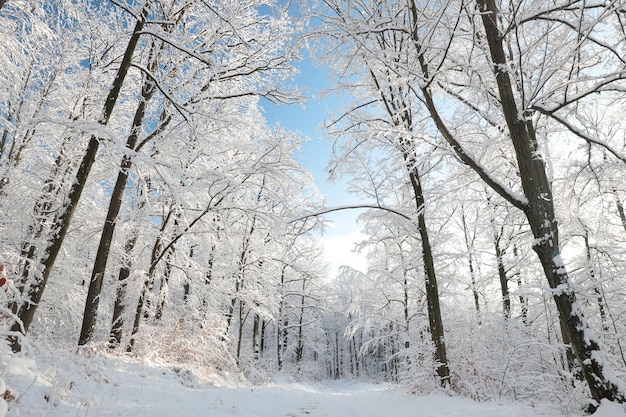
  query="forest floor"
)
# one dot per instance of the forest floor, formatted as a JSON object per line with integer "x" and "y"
{"x": 66, "y": 384}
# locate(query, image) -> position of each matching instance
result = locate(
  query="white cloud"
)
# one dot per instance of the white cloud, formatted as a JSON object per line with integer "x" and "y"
{"x": 339, "y": 251}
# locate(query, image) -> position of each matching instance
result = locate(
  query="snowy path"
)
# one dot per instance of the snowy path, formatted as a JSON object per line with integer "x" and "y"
{"x": 110, "y": 387}
{"x": 165, "y": 400}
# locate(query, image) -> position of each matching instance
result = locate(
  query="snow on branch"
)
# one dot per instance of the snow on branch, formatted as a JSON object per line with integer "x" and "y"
{"x": 178, "y": 46}
{"x": 352, "y": 207}
{"x": 518, "y": 201}
{"x": 127, "y": 9}
{"x": 181, "y": 109}
{"x": 581, "y": 134}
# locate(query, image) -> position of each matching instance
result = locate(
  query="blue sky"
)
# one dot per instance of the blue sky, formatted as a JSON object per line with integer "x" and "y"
{"x": 308, "y": 118}
{"x": 315, "y": 155}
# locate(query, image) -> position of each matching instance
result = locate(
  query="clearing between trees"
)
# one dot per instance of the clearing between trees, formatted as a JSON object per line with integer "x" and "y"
{"x": 66, "y": 384}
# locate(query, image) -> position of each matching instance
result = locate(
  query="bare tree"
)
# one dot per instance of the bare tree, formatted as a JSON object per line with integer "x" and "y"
{"x": 537, "y": 200}
{"x": 26, "y": 311}
{"x": 484, "y": 78}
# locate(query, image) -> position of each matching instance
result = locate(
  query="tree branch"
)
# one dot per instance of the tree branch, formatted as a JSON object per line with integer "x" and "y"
{"x": 353, "y": 207}
{"x": 579, "y": 133}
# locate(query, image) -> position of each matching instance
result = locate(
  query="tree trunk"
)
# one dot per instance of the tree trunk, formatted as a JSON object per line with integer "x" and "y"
{"x": 432, "y": 290}
{"x": 282, "y": 341}
{"x": 596, "y": 290}
{"x": 115, "y": 204}
{"x": 164, "y": 286}
{"x": 279, "y": 320}
{"x": 504, "y": 280}
{"x": 540, "y": 214}
{"x": 239, "y": 279}
{"x": 400, "y": 116}
{"x": 117, "y": 324}
{"x": 469, "y": 246}
{"x": 405, "y": 308}
{"x": 143, "y": 303}
{"x": 300, "y": 340}
{"x": 262, "y": 341}
{"x": 522, "y": 300}
{"x": 41, "y": 216}
{"x": 187, "y": 284}
{"x": 242, "y": 321}
{"x": 620, "y": 209}
{"x": 27, "y": 310}
{"x": 255, "y": 337}
{"x": 337, "y": 358}
{"x": 355, "y": 352}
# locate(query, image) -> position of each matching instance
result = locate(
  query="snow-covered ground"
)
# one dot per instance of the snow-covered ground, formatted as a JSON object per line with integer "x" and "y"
{"x": 103, "y": 386}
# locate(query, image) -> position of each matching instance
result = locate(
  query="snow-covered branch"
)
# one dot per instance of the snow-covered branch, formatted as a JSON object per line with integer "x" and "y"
{"x": 352, "y": 207}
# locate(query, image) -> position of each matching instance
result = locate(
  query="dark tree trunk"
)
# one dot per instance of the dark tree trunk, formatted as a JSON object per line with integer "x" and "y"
{"x": 279, "y": 320}
{"x": 620, "y": 209}
{"x": 106, "y": 238}
{"x": 143, "y": 303}
{"x": 522, "y": 300}
{"x": 469, "y": 246}
{"x": 117, "y": 324}
{"x": 164, "y": 286}
{"x": 504, "y": 280}
{"x": 242, "y": 320}
{"x": 337, "y": 358}
{"x": 262, "y": 341}
{"x": 239, "y": 281}
{"x": 432, "y": 290}
{"x": 27, "y": 310}
{"x": 300, "y": 340}
{"x": 282, "y": 341}
{"x": 187, "y": 284}
{"x": 405, "y": 308}
{"x": 355, "y": 352}
{"x": 596, "y": 289}
{"x": 540, "y": 214}
{"x": 400, "y": 116}
{"x": 41, "y": 216}
{"x": 256, "y": 350}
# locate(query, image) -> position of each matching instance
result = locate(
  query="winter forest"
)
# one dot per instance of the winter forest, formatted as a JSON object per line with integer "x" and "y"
{"x": 150, "y": 211}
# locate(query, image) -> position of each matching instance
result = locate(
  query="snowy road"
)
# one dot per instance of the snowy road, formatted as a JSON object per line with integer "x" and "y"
{"x": 294, "y": 400}
{"x": 111, "y": 387}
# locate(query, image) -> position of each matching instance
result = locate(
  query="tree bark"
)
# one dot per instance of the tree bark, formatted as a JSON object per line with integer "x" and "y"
{"x": 522, "y": 300}
{"x": 540, "y": 215}
{"x": 167, "y": 273}
{"x": 239, "y": 279}
{"x": 620, "y": 209}
{"x": 187, "y": 284}
{"x": 27, "y": 310}
{"x": 240, "y": 324}
{"x": 279, "y": 320}
{"x": 117, "y": 323}
{"x": 115, "y": 204}
{"x": 504, "y": 280}
{"x": 143, "y": 302}
{"x": 432, "y": 290}
{"x": 262, "y": 341}
{"x": 256, "y": 324}
{"x": 300, "y": 337}
{"x": 399, "y": 112}
{"x": 469, "y": 246}
{"x": 41, "y": 216}
{"x": 596, "y": 290}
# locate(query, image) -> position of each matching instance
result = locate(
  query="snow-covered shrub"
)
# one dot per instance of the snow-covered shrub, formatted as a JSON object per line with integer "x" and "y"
{"x": 178, "y": 343}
